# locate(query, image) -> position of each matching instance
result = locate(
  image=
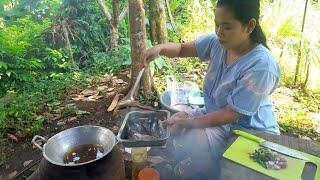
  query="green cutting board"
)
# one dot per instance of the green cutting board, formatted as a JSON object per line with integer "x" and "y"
{"x": 241, "y": 148}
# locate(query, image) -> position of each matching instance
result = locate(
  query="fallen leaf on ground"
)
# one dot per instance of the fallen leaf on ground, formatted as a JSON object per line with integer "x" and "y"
{"x": 110, "y": 89}
{"x": 40, "y": 118}
{"x": 78, "y": 97}
{"x": 119, "y": 81}
{"x": 94, "y": 97}
{"x": 72, "y": 119}
{"x": 12, "y": 137}
{"x": 48, "y": 115}
{"x": 11, "y": 175}
{"x": 56, "y": 117}
{"x": 61, "y": 122}
{"x": 110, "y": 94}
{"x": 26, "y": 163}
{"x": 102, "y": 88}
{"x": 82, "y": 112}
{"x": 70, "y": 105}
{"x": 88, "y": 97}
{"x": 20, "y": 134}
{"x": 59, "y": 110}
{"x": 114, "y": 103}
{"x": 105, "y": 78}
{"x": 88, "y": 92}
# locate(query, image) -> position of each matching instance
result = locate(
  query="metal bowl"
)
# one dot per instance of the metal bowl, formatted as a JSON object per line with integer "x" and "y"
{"x": 165, "y": 101}
{"x": 58, "y": 145}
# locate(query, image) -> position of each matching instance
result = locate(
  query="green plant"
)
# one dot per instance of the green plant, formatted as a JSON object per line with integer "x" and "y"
{"x": 68, "y": 110}
{"x": 269, "y": 159}
{"x": 288, "y": 43}
{"x": 21, "y": 47}
{"x": 299, "y": 124}
{"x": 56, "y": 61}
{"x": 150, "y": 100}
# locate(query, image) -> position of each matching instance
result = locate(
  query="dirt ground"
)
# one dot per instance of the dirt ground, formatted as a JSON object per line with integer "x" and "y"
{"x": 95, "y": 114}
{"x": 93, "y": 102}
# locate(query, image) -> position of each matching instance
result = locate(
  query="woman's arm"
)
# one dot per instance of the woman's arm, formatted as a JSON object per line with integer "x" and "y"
{"x": 171, "y": 50}
{"x": 178, "y": 50}
{"x": 217, "y": 118}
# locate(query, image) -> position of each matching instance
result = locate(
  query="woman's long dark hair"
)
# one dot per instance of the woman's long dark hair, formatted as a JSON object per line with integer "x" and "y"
{"x": 244, "y": 11}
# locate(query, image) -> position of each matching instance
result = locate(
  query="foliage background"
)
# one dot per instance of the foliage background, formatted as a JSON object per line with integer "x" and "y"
{"x": 35, "y": 68}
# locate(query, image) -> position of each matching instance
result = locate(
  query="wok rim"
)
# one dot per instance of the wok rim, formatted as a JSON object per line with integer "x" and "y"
{"x": 84, "y": 163}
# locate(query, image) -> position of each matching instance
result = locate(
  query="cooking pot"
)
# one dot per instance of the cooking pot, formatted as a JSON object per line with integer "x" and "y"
{"x": 58, "y": 145}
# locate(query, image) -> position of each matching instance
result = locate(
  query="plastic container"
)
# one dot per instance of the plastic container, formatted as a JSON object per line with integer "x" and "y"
{"x": 149, "y": 174}
{"x": 139, "y": 160}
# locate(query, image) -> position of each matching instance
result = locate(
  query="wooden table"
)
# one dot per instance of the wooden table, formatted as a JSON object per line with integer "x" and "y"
{"x": 231, "y": 170}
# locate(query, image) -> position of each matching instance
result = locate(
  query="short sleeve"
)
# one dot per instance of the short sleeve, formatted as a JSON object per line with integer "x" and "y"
{"x": 204, "y": 45}
{"x": 251, "y": 90}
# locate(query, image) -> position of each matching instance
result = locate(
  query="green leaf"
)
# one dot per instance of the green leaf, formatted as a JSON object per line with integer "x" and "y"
{"x": 3, "y": 65}
{"x": 8, "y": 73}
{"x": 159, "y": 62}
{"x": 152, "y": 67}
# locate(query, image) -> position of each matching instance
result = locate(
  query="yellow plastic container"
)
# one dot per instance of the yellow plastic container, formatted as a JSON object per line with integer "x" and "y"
{"x": 139, "y": 160}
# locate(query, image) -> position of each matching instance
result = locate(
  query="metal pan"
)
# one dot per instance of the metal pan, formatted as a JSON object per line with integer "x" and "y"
{"x": 58, "y": 145}
{"x": 134, "y": 117}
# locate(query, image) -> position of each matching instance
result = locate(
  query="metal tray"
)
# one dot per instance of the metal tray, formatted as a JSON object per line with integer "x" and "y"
{"x": 134, "y": 117}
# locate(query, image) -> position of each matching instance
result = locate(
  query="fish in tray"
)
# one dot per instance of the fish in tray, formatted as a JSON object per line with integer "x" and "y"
{"x": 143, "y": 137}
{"x": 146, "y": 130}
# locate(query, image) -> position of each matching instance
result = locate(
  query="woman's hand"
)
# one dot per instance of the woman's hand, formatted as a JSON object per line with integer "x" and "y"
{"x": 177, "y": 122}
{"x": 170, "y": 50}
{"x": 182, "y": 122}
{"x": 151, "y": 54}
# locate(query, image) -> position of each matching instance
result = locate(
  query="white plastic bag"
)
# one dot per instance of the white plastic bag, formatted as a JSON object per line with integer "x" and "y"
{"x": 177, "y": 94}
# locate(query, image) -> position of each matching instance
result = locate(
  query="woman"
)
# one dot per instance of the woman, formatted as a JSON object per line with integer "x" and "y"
{"x": 241, "y": 75}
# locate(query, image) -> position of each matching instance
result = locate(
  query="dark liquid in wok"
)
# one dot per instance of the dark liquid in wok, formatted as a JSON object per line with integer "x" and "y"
{"x": 83, "y": 153}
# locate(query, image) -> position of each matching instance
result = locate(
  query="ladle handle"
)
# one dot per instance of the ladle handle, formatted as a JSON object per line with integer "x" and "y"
{"x": 136, "y": 84}
{"x": 34, "y": 141}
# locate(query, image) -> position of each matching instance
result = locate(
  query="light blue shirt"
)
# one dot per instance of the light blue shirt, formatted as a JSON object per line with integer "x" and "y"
{"x": 244, "y": 85}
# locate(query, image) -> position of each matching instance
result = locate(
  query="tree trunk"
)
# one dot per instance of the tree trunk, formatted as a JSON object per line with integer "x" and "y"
{"x": 307, "y": 74}
{"x": 114, "y": 38}
{"x": 138, "y": 42}
{"x": 113, "y": 20}
{"x": 297, "y": 73}
{"x": 114, "y": 34}
{"x": 158, "y": 28}
{"x": 147, "y": 83}
{"x": 173, "y": 24}
{"x": 67, "y": 40}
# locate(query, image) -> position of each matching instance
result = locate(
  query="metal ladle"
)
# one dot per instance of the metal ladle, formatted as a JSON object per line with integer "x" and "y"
{"x": 129, "y": 99}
